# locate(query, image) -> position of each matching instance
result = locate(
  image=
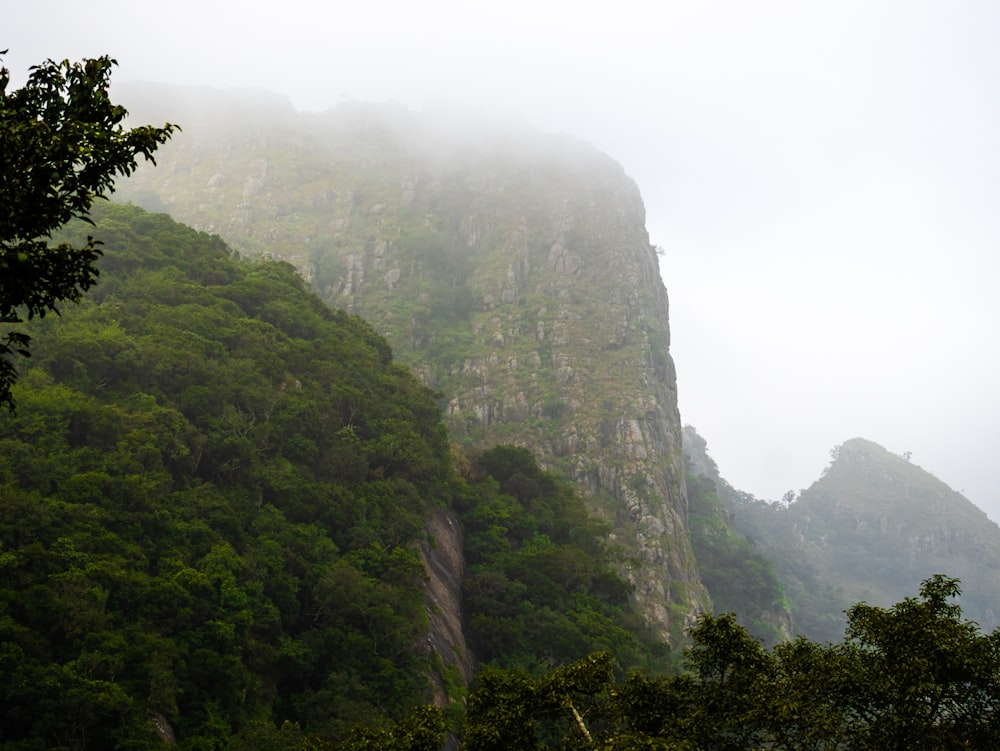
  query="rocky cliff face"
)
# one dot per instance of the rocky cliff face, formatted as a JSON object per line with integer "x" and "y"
{"x": 444, "y": 562}
{"x": 511, "y": 270}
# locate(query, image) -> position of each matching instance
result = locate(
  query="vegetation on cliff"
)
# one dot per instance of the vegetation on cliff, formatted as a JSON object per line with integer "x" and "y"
{"x": 740, "y": 579}
{"x": 210, "y": 494}
{"x": 540, "y": 588}
{"x": 211, "y": 497}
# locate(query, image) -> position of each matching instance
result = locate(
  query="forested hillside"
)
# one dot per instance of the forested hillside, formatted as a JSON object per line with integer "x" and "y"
{"x": 210, "y": 491}
{"x": 212, "y": 495}
{"x": 914, "y": 676}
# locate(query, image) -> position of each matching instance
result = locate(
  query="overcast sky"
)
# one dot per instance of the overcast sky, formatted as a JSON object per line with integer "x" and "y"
{"x": 824, "y": 178}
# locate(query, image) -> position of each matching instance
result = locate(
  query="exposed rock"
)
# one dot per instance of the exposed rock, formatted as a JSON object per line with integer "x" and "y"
{"x": 163, "y": 728}
{"x": 445, "y": 564}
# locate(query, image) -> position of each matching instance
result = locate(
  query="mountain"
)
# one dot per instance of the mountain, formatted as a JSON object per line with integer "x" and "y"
{"x": 510, "y": 269}
{"x": 227, "y": 515}
{"x": 871, "y": 529}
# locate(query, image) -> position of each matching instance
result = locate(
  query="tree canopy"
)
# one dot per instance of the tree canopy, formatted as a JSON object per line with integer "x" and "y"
{"x": 62, "y": 144}
{"x": 912, "y": 676}
{"x": 210, "y": 500}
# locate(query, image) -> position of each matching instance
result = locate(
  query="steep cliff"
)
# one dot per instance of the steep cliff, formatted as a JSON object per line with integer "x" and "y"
{"x": 511, "y": 270}
{"x": 441, "y": 554}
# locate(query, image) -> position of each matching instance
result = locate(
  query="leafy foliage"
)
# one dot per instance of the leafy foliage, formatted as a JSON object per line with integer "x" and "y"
{"x": 511, "y": 711}
{"x": 62, "y": 144}
{"x": 913, "y": 676}
{"x": 209, "y": 500}
{"x": 540, "y": 589}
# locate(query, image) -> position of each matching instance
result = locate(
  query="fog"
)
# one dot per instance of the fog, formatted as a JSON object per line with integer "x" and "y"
{"x": 824, "y": 180}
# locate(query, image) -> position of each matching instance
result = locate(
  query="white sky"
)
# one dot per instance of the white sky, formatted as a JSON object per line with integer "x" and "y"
{"x": 824, "y": 178}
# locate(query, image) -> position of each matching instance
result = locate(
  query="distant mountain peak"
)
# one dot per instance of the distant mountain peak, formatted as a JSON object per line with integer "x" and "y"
{"x": 872, "y": 528}
{"x": 867, "y": 476}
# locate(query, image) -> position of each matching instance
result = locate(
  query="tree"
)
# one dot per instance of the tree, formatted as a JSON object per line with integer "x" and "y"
{"x": 514, "y": 712}
{"x": 913, "y": 676}
{"x": 62, "y": 143}
{"x": 423, "y": 729}
{"x": 924, "y": 678}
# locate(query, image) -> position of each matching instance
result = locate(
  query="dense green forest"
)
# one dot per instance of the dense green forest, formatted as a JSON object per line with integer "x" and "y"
{"x": 211, "y": 496}
{"x": 540, "y": 588}
{"x": 210, "y": 490}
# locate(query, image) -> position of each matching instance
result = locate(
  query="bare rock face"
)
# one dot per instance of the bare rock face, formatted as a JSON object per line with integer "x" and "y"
{"x": 444, "y": 562}
{"x": 512, "y": 271}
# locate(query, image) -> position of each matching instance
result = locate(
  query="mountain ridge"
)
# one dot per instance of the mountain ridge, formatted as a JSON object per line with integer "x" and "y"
{"x": 512, "y": 272}
{"x": 869, "y": 529}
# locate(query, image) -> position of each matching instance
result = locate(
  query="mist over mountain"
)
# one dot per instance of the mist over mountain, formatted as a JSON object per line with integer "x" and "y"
{"x": 369, "y": 437}
{"x": 512, "y": 271}
{"x": 753, "y": 193}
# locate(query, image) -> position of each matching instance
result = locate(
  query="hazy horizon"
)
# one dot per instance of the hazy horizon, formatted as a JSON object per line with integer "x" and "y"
{"x": 823, "y": 179}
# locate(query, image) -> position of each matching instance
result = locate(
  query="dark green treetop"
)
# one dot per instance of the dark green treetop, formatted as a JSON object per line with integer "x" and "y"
{"x": 211, "y": 497}
{"x": 62, "y": 144}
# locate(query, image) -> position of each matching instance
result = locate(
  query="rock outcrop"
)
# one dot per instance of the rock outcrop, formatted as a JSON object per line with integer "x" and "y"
{"x": 445, "y": 563}
{"x": 512, "y": 271}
